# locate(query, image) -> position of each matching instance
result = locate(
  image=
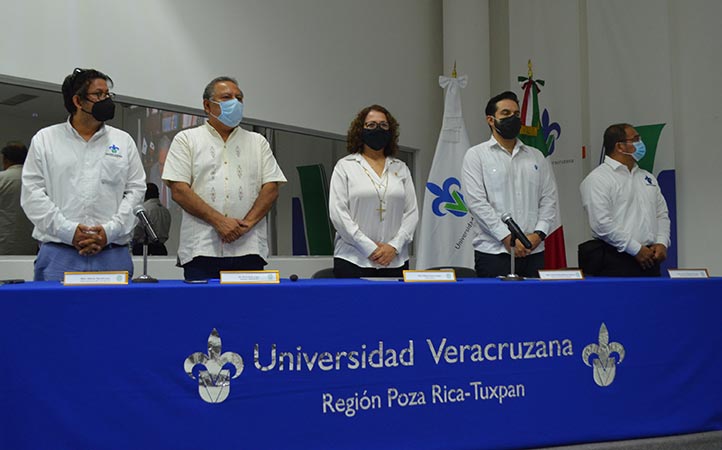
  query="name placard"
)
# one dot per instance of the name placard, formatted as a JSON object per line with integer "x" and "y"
{"x": 430, "y": 276}
{"x": 688, "y": 273}
{"x": 380, "y": 279}
{"x": 250, "y": 277}
{"x": 95, "y": 278}
{"x": 566, "y": 274}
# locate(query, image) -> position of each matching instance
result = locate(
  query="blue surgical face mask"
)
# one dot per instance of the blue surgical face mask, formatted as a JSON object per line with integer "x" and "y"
{"x": 639, "y": 151}
{"x": 231, "y": 112}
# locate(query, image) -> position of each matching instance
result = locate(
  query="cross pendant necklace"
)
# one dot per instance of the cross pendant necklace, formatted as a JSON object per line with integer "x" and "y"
{"x": 381, "y": 210}
{"x": 382, "y": 198}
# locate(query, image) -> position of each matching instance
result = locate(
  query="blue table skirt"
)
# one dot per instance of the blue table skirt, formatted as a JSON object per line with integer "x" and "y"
{"x": 355, "y": 364}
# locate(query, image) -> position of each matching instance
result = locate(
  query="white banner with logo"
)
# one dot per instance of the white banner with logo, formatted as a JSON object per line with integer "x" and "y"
{"x": 446, "y": 229}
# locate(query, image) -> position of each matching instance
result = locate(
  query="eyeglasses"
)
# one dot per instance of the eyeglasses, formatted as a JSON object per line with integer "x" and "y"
{"x": 373, "y": 125}
{"x": 636, "y": 138}
{"x": 99, "y": 96}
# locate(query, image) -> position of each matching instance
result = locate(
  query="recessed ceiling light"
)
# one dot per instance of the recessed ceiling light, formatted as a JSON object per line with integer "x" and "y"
{"x": 17, "y": 99}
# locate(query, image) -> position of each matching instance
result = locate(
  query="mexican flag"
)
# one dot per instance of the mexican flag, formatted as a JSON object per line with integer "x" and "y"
{"x": 447, "y": 228}
{"x": 538, "y": 131}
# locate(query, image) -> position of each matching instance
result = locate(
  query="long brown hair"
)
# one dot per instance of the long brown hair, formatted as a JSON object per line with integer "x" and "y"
{"x": 354, "y": 144}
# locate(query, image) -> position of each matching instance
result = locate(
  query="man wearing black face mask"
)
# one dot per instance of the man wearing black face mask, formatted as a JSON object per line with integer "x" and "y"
{"x": 81, "y": 181}
{"x": 503, "y": 175}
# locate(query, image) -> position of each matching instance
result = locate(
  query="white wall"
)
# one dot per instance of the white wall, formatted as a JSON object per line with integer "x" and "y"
{"x": 311, "y": 63}
{"x": 466, "y": 43}
{"x": 696, "y": 69}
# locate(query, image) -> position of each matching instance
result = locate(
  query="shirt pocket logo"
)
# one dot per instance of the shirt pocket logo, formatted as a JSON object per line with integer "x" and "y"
{"x": 114, "y": 151}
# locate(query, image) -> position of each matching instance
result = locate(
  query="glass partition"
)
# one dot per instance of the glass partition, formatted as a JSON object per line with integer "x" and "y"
{"x": 298, "y": 223}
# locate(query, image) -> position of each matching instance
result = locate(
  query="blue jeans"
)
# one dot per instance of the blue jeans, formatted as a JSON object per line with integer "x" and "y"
{"x": 55, "y": 259}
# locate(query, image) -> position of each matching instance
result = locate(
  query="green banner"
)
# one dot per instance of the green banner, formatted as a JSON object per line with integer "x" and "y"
{"x": 314, "y": 196}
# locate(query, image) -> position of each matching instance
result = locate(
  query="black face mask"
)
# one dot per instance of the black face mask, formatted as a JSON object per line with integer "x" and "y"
{"x": 377, "y": 139}
{"x": 102, "y": 110}
{"x": 508, "y": 127}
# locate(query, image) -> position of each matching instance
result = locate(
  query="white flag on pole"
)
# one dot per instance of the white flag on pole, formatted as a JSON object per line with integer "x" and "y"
{"x": 447, "y": 228}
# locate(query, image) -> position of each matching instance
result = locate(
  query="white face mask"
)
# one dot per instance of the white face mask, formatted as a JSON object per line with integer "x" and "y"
{"x": 231, "y": 112}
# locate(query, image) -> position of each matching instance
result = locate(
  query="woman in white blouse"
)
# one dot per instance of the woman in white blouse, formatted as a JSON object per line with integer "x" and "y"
{"x": 372, "y": 202}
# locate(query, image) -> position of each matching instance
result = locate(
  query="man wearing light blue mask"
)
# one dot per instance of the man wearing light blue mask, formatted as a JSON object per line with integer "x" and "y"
{"x": 626, "y": 210}
{"x": 231, "y": 111}
{"x": 226, "y": 180}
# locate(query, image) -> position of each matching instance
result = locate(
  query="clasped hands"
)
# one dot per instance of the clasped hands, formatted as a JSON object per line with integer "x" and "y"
{"x": 519, "y": 250}
{"x": 648, "y": 256}
{"x": 384, "y": 254}
{"x": 89, "y": 240}
{"x": 230, "y": 229}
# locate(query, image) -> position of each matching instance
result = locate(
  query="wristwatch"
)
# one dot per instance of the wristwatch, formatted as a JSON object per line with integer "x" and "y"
{"x": 542, "y": 235}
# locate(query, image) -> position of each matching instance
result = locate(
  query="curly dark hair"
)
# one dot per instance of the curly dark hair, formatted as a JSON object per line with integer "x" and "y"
{"x": 354, "y": 144}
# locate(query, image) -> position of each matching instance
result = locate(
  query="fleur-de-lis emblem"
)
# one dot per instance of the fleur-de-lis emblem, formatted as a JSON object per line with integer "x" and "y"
{"x": 214, "y": 383}
{"x": 601, "y": 357}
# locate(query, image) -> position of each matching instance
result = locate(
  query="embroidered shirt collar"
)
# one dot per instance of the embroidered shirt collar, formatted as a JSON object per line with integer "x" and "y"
{"x": 215, "y": 132}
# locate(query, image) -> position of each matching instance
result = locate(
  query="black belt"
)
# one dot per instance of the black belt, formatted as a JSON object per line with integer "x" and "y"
{"x": 107, "y": 247}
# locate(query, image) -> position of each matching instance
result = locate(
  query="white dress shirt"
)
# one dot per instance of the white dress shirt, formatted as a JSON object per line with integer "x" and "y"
{"x": 68, "y": 181}
{"x": 15, "y": 228}
{"x": 228, "y": 176}
{"x": 354, "y": 209}
{"x": 496, "y": 182}
{"x": 625, "y": 209}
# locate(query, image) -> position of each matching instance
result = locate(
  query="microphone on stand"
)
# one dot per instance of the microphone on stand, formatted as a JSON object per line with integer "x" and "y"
{"x": 151, "y": 236}
{"x": 516, "y": 233}
{"x": 515, "y": 230}
{"x": 139, "y": 212}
